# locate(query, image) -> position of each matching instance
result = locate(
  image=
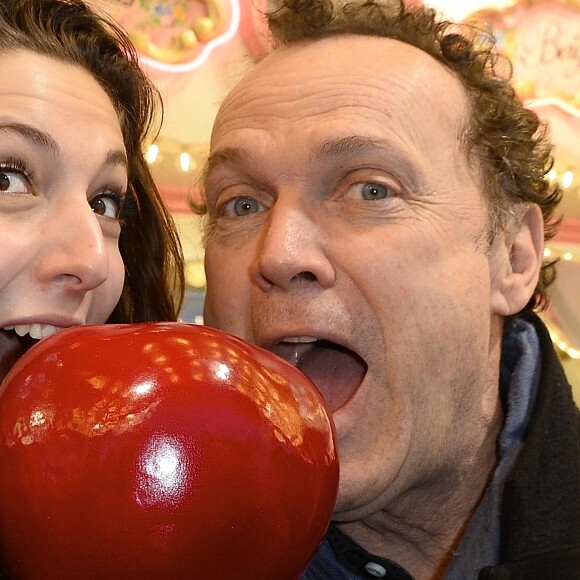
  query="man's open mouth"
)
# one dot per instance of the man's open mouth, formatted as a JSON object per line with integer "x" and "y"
{"x": 336, "y": 370}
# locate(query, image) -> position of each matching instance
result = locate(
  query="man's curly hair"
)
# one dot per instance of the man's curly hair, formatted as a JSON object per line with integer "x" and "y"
{"x": 508, "y": 140}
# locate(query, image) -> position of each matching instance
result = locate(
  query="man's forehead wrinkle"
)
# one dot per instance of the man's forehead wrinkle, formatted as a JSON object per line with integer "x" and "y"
{"x": 267, "y": 86}
{"x": 252, "y": 103}
{"x": 377, "y": 95}
{"x": 379, "y": 103}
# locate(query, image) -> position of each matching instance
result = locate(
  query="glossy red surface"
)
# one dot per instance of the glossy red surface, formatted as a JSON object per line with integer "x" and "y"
{"x": 161, "y": 450}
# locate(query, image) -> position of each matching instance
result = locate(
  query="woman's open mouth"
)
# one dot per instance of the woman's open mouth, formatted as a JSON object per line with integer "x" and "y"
{"x": 15, "y": 341}
{"x": 336, "y": 370}
{"x": 12, "y": 347}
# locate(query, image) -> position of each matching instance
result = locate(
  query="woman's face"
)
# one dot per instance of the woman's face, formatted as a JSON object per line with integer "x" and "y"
{"x": 63, "y": 176}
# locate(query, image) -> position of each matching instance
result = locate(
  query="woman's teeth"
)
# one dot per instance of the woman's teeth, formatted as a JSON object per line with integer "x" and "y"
{"x": 36, "y": 331}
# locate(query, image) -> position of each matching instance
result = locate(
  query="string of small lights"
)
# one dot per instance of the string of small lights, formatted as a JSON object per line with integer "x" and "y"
{"x": 562, "y": 253}
{"x": 188, "y": 156}
{"x": 560, "y": 340}
{"x": 568, "y": 180}
{"x": 184, "y": 157}
{"x": 563, "y": 345}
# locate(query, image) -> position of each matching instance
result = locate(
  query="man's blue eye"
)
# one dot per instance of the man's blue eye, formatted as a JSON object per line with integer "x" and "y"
{"x": 374, "y": 191}
{"x": 245, "y": 205}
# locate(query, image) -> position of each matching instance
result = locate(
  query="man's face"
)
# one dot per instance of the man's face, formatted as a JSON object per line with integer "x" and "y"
{"x": 348, "y": 234}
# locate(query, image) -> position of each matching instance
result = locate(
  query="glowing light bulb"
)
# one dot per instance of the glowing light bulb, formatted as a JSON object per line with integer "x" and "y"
{"x": 185, "y": 161}
{"x": 152, "y": 153}
{"x": 567, "y": 179}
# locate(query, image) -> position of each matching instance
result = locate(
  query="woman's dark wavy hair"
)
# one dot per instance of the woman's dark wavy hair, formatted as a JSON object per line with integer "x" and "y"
{"x": 70, "y": 31}
{"x": 509, "y": 141}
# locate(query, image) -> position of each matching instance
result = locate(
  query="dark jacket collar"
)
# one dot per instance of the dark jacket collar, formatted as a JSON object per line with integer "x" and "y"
{"x": 540, "y": 522}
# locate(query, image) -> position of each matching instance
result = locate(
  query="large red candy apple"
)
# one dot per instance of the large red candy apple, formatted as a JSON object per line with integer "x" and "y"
{"x": 162, "y": 451}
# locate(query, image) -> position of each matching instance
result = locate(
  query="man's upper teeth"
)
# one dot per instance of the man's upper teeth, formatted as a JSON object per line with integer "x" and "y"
{"x": 36, "y": 331}
{"x": 299, "y": 339}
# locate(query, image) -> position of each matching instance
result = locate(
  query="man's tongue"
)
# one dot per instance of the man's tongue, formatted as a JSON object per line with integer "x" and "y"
{"x": 336, "y": 371}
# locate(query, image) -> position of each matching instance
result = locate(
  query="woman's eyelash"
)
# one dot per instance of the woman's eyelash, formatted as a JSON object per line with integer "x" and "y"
{"x": 15, "y": 165}
{"x": 120, "y": 195}
{"x": 128, "y": 206}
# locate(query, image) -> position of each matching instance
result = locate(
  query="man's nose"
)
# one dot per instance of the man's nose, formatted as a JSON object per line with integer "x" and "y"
{"x": 74, "y": 251}
{"x": 292, "y": 251}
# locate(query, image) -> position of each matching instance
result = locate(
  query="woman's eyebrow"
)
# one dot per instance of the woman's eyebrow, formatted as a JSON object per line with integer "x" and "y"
{"x": 113, "y": 157}
{"x": 116, "y": 157}
{"x": 32, "y": 134}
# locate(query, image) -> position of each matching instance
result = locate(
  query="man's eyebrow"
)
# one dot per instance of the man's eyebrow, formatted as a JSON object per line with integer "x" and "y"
{"x": 32, "y": 134}
{"x": 392, "y": 152}
{"x": 351, "y": 145}
{"x": 228, "y": 156}
{"x": 338, "y": 148}
{"x": 341, "y": 147}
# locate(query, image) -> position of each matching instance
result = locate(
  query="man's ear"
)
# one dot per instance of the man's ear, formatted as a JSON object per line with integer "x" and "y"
{"x": 516, "y": 262}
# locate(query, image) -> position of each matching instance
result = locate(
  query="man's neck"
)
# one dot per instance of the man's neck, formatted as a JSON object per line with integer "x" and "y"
{"x": 421, "y": 530}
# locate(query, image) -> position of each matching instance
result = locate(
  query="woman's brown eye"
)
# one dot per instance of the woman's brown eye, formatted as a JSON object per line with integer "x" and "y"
{"x": 106, "y": 205}
{"x": 12, "y": 182}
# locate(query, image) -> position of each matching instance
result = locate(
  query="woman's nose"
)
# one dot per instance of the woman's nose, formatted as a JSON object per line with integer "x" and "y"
{"x": 74, "y": 249}
{"x": 291, "y": 251}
